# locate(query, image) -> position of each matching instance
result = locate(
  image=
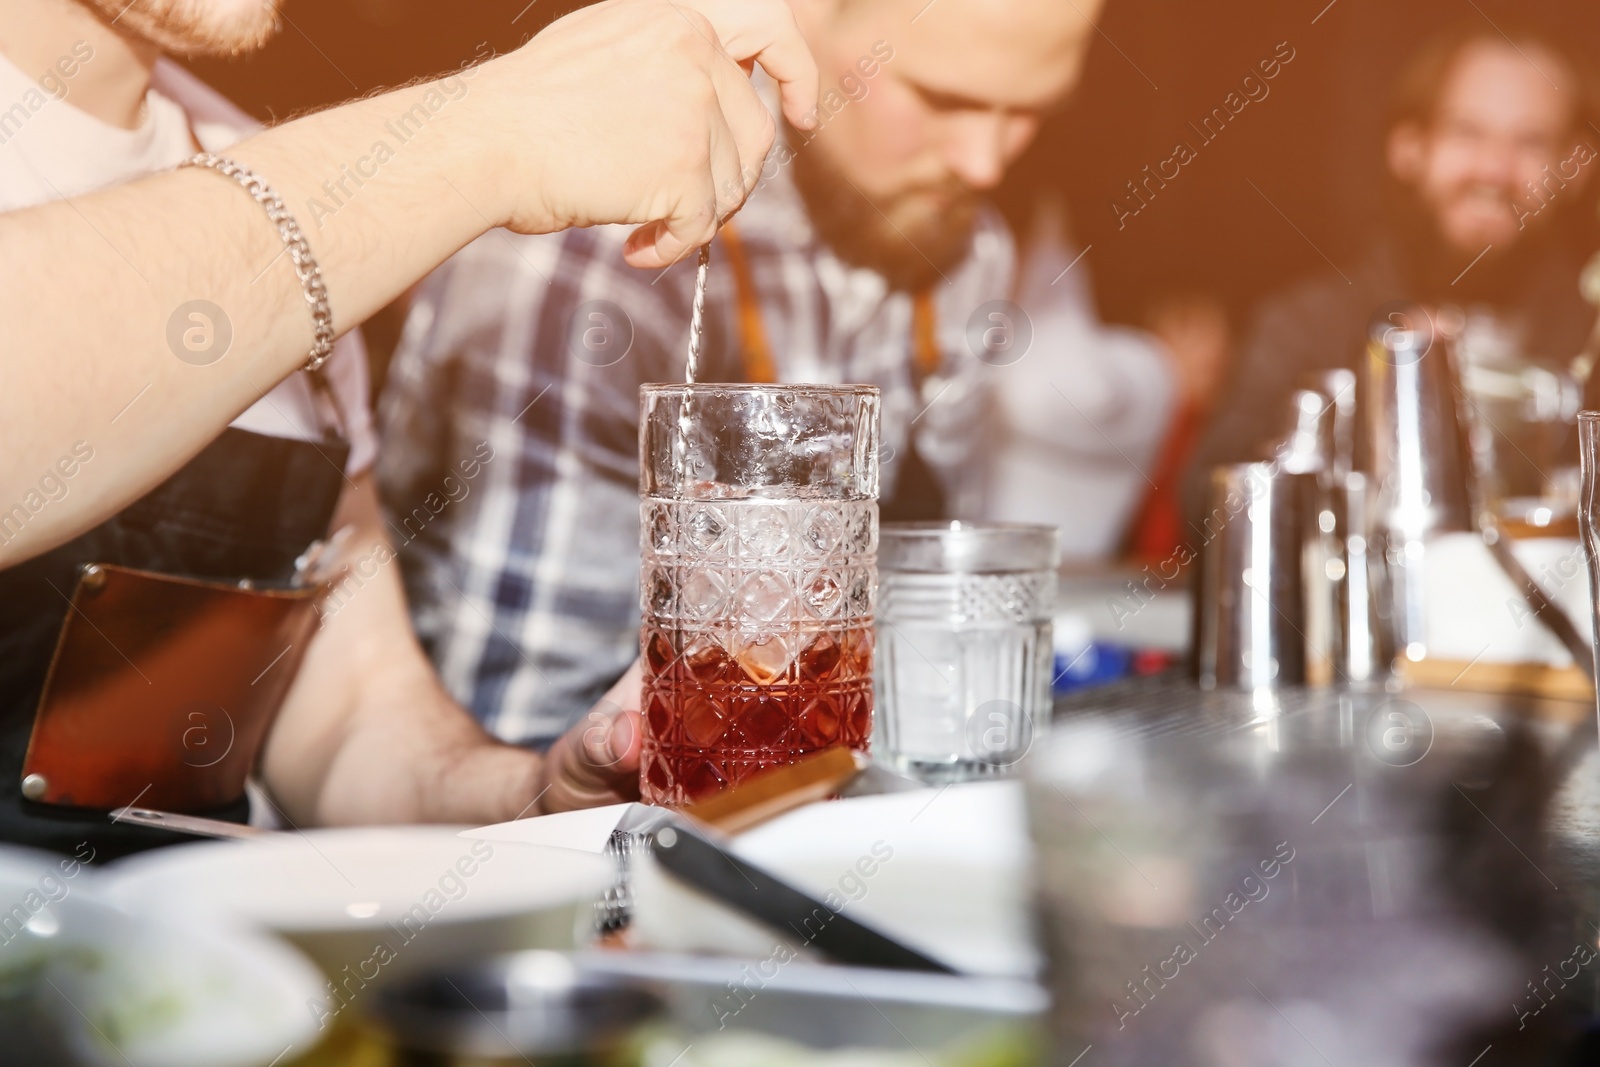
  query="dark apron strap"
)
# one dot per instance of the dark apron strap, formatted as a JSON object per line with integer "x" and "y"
{"x": 917, "y": 495}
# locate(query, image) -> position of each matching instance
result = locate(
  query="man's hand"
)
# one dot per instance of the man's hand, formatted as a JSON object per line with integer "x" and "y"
{"x": 642, "y": 111}
{"x": 1195, "y": 331}
{"x": 597, "y": 761}
{"x": 368, "y": 735}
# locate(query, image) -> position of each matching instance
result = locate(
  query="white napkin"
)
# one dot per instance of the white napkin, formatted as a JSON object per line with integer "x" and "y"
{"x": 1474, "y": 613}
{"x": 586, "y": 830}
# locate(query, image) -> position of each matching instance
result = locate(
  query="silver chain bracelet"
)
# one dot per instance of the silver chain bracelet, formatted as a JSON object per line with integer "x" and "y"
{"x": 305, "y": 264}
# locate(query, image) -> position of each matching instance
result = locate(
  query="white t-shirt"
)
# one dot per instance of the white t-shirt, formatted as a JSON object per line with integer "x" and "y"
{"x": 50, "y": 150}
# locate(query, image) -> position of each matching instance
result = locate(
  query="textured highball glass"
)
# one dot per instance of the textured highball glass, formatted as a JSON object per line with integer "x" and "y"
{"x": 759, "y": 534}
{"x": 964, "y": 646}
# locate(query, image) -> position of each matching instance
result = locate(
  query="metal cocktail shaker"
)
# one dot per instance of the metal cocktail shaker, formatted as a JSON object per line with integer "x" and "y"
{"x": 1315, "y": 603}
{"x": 1366, "y": 645}
{"x": 1412, "y": 447}
{"x": 1338, "y": 386}
{"x": 1251, "y": 630}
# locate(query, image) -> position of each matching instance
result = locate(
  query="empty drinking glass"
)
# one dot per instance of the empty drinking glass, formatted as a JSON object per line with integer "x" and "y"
{"x": 964, "y": 644}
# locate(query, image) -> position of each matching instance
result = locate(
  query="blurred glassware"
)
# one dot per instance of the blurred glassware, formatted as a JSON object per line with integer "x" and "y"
{"x": 1338, "y": 385}
{"x": 1311, "y": 444}
{"x": 964, "y": 644}
{"x": 1250, "y": 622}
{"x": 1334, "y": 624}
{"x": 86, "y": 983}
{"x": 1220, "y": 886}
{"x": 1520, "y": 414}
{"x": 1413, "y": 448}
{"x": 1364, "y": 640}
{"x": 1589, "y": 513}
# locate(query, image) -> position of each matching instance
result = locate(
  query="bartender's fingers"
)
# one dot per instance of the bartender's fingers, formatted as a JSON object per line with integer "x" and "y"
{"x": 597, "y": 760}
{"x": 745, "y": 116}
{"x": 752, "y": 128}
{"x": 662, "y": 243}
{"x": 694, "y": 220}
{"x": 765, "y": 31}
{"x": 628, "y": 691}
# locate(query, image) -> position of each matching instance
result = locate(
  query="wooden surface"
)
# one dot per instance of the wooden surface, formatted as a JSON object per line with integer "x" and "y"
{"x": 1565, "y": 685}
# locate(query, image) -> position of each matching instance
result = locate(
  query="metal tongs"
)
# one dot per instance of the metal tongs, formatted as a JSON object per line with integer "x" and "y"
{"x": 185, "y": 824}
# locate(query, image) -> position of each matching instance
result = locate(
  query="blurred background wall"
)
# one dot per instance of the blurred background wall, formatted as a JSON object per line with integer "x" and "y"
{"x": 1313, "y": 146}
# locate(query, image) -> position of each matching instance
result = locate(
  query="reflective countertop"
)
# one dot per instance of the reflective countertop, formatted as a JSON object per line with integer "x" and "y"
{"x": 1318, "y": 876}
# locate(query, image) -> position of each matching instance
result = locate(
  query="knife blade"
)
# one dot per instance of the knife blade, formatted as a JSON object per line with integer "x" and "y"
{"x": 701, "y": 863}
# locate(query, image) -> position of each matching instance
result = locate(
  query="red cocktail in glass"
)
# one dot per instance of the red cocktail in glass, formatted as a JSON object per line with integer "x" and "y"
{"x": 758, "y": 547}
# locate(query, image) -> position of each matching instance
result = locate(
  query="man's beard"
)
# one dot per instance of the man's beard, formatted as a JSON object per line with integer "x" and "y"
{"x": 194, "y": 27}
{"x": 1437, "y": 271}
{"x": 910, "y": 254}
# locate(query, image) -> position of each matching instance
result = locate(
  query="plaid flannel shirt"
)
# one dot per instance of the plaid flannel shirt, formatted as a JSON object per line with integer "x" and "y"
{"x": 510, "y": 422}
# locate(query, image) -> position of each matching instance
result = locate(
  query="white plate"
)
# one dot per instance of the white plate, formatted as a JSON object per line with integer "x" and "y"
{"x": 359, "y": 878}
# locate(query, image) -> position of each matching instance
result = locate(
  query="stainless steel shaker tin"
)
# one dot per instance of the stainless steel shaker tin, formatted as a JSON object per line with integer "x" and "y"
{"x": 1414, "y": 451}
{"x": 1250, "y": 627}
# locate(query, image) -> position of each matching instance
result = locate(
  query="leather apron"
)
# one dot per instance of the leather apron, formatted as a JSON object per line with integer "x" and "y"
{"x": 146, "y": 637}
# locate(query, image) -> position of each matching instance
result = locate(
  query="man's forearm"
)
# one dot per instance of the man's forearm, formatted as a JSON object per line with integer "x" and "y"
{"x": 116, "y": 306}
{"x": 412, "y": 756}
{"x": 366, "y": 732}
{"x": 129, "y": 261}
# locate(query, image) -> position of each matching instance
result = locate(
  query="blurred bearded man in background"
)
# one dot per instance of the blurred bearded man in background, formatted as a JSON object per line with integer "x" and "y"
{"x": 1490, "y": 145}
